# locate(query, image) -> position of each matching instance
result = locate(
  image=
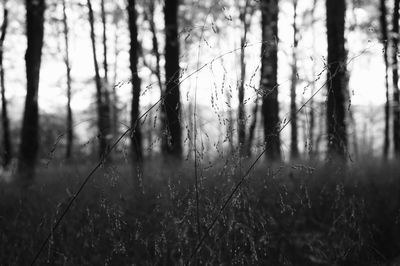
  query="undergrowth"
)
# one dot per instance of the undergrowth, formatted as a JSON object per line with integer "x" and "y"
{"x": 288, "y": 214}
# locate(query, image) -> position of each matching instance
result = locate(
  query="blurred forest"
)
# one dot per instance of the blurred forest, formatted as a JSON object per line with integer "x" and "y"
{"x": 249, "y": 132}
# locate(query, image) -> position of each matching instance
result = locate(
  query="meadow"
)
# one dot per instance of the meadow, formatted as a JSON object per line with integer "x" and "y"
{"x": 284, "y": 214}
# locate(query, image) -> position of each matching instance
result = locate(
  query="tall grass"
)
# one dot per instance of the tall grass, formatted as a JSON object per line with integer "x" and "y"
{"x": 284, "y": 215}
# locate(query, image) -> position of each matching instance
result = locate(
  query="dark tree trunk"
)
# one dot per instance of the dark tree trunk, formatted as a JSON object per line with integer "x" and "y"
{"x": 244, "y": 14}
{"x": 7, "y": 147}
{"x": 294, "y": 149}
{"x": 137, "y": 149}
{"x": 337, "y": 85}
{"x": 30, "y": 126}
{"x": 269, "y": 85}
{"x": 155, "y": 45}
{"x": 384, "y": 31}
{"x": 252, "y": 128}
{"x": 241, "y": 112}
{"x": 103, "y": 111}
{"x": 157, "y": 70}
{"x": 104, "y": 24}
{"x": 312, "y": 103}
{"x": 70, "y": 132}
{"x": 114, "y": 105}
{"x": 229, "y": 129}
{"x": 173, "y": 138}
{"x": 395, "y": 79}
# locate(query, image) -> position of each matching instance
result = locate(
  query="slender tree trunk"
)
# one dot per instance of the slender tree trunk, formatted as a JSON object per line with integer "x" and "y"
{"x": 104, "y": 24}
{"x": 384, "y": 40}
{"x": 229, "y": 128}
{"x": 7, "y": 147}
{"x": 157, "y": 71}
{"x": 70, "y": 133}
{"x": 337, "y": 86}
{"x": 137, "y": 149}
{"x": 269, "y": 84}
{"x": 312, "y": 102}
{"x": 102, "y": 106}
{"x": 395, "y": 79}
{"x": 172, "y": 95}
{"x": 252, "y": 128}
{"x": 241, "y": 108}
{"x": 105, "y": 81}
{"x": 155, "y": 48}
{"x": 294, "y": 149}
{"x": 114, "y": 86}
{"x": 30, "y": 126}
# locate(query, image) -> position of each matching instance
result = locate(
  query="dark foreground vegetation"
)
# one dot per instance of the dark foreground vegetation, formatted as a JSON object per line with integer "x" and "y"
{"x": 293, "y": 214}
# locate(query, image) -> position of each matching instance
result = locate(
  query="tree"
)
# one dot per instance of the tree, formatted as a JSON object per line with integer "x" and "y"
{"x": 294, "y": 149}
{"x": 337, "y": 81}
{"x": 136, "y": 140}
{"x": 241, "y": 109}
{"x": 104, "y": 24}
{"x": 311, "y": 148}
{"x": 269, "y": 85}
{"x": 103, "y": 108}
{"x": 173, "y": 134}
{"x": 70, "y": 132}
{"x": 395, "y": 79}
{"x": 384, "y": 31}
{"x": 30, "y": 126}
{"x": 245, "y": 15}
{"x": 7, "y": 148}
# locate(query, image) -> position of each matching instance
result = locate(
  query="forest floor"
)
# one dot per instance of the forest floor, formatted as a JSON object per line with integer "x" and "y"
{"x": 287, "y": 214}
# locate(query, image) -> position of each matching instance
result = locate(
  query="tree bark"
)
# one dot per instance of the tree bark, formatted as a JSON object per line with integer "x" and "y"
{"x": 103, "y": 120}
{"x": 173, "y": 138}
{"x": 7, "y": 147}
{"x": 395, "y": 79}
{"x": 104, "y": 24}
{"x": 241, "y": 110}
{"x": 337, "y": 85}
{"x": 30, "y": 126}
{"x": 114, "y": 105}
{"x": 154, "y": 41}
{"x": 252, "y": 128}
{"x": 294, "y": 149}
{"x": 157, "y": 71}
{"x": 384, "y": 32}
{"x": 70, "y": 132}
{"x": 311, "y": 144}
{"x": 269, "y": 85}
{"x": 136, "y": 140}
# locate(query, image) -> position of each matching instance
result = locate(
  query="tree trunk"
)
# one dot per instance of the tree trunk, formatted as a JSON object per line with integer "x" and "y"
{"x": 101, "y": 97}
{"x": 173, "y": 138}
{"x": 114, "y": 105}
{"x": 252, "y": 128}
{"x": 104, "y": 24}
{"x": 294, "y": 149}
{"x": 312, "y": 102}
{"x": 157, "y": 70}
{"x": 30, "y": 126}
{"x": 70, "y": 133}
{"x": 384, "y": 40}
{"x": 269, "y": 85}
{"x": 241, "y": 110}
{"x": 7, "y": 147}
{"x": 244, "y": 15}
{"x": 155, "y": 45}
{"x": 395, "y": 79}
{"x": 136, "y": 140}
{"x": 337, "y": 86}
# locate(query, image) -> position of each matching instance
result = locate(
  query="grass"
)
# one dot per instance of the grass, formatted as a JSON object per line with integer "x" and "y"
{"x": 288, "y": 214}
